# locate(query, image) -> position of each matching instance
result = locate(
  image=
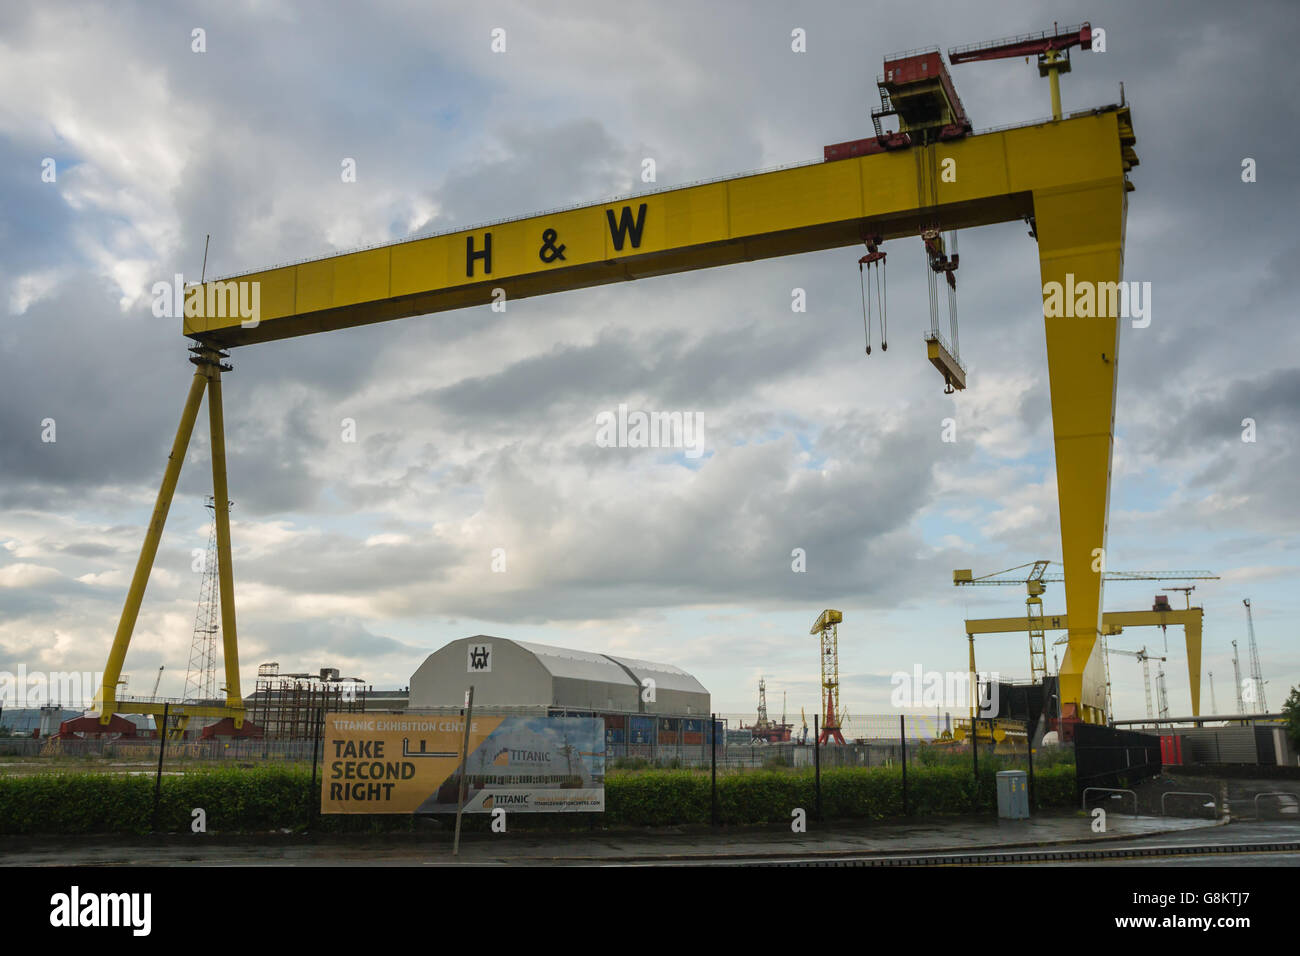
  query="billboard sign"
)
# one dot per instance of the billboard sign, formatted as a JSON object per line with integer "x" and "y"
{"x": 411, "y": 763}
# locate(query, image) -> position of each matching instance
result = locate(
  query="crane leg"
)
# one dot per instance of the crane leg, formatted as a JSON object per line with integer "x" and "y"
{"x": 221, "y": 511}
{"x": 1192, "y": 631}
{"x": 107, "y": 697}
{"x": 1081, "y": 244}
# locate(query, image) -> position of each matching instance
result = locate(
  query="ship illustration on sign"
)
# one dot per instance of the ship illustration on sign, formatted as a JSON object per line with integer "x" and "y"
{"x": 520, "y": 758}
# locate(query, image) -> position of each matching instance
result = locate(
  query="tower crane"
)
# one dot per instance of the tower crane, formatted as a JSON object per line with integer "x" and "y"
{"x": 1256, "y": 672}
{"x": 1036, "y": 579}
{"x": 826, "y": 628}
{"x": 1145, "y": 658}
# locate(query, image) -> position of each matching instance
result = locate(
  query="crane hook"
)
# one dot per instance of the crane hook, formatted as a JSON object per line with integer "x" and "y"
{"x": 874, "y": 257}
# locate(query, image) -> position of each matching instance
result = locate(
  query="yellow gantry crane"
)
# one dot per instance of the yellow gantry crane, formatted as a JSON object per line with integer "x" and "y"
{"x": 1035, "y": 581}
{"x": 1067, "y": 178}
{"x": 1113, "y": 623}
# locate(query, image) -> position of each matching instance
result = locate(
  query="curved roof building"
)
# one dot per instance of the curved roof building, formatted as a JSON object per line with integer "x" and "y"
{"x": 509, "y": 673}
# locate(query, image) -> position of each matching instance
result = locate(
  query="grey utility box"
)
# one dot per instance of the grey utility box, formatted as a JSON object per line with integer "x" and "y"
{"x": 1013, "y": 795}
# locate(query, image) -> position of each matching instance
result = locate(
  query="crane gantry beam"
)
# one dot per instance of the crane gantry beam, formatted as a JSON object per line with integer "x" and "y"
{"x": 1067, "y": 175}
{"x": 1068, "y": 178}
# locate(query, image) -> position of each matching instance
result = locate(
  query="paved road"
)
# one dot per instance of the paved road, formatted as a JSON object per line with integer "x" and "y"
{"x": 959, "y": 840}
{"x": 1241, "y": 844}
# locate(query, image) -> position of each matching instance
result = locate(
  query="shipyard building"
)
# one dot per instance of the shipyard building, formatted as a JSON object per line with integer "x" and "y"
{"x": 644, "y": 704}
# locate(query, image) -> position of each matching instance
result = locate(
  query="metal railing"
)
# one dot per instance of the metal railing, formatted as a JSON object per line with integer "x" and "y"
{"x": 1009, "y": 41}
{"x": 1110, "y": 790}
{"x": 1271, "y": 793}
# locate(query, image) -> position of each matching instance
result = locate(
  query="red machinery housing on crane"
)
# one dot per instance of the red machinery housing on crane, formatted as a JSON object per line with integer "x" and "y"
{"x": 917, "y": 88}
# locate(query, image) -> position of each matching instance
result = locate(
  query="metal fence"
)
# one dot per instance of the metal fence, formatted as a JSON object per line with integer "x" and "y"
{"x": 1108, "y": 758}
{"x": 667, "y": 741}
{"x": 145, "y": 749}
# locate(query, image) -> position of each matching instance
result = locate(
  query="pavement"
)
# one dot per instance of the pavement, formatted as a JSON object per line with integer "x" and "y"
{"x": 942, "y": 839}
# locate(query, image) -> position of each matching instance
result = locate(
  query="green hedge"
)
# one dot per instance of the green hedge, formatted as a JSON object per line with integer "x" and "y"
{"x": 280, "y": 798}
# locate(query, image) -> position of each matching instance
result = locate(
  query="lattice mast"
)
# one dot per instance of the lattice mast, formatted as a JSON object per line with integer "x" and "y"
{"x": 1162, "y": 693}
{"x": 1236, "y": 676}
{"x": 201, "y": 675}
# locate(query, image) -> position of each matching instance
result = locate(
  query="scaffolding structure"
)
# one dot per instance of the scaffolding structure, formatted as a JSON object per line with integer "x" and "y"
{"x": 289, "y": 706}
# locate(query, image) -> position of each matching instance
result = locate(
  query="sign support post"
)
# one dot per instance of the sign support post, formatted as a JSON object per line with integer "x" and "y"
{"x": 464, "y": 768}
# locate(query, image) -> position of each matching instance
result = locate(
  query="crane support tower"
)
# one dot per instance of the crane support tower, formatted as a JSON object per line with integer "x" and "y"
{"x": 1068, "y": 179}
{"x": 826, "y": 628}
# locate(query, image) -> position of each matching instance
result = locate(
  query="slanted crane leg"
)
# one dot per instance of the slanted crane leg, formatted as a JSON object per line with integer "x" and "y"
{"x": 225, "y": 568}
{"x": 1192, "y": 631}
{"x": 1081, "y": 240}
{"x": 107, "y": 697}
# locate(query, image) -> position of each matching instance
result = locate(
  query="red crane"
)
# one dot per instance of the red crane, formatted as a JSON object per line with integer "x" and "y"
{"x": 1052, "y": 50}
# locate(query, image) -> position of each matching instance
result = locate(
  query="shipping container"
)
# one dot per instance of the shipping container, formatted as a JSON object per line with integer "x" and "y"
{"x": 641, "y": 730}
{"x": 1214, "y": 745}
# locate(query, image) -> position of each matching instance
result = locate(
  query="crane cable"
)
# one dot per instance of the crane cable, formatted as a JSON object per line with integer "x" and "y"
{"x": 876, "y": 259}
{"x": 866, "y": 312}
{"x": 927, "y": 168}
{"x": 882, "y": 286}
{"x": 952, "y": 302}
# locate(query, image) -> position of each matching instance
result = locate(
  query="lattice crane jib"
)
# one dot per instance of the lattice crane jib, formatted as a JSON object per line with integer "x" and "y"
{"x": 1256, "y": 671}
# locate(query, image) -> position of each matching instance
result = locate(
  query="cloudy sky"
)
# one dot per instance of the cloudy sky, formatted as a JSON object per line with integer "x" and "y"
{"x": 476, "y": 430}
